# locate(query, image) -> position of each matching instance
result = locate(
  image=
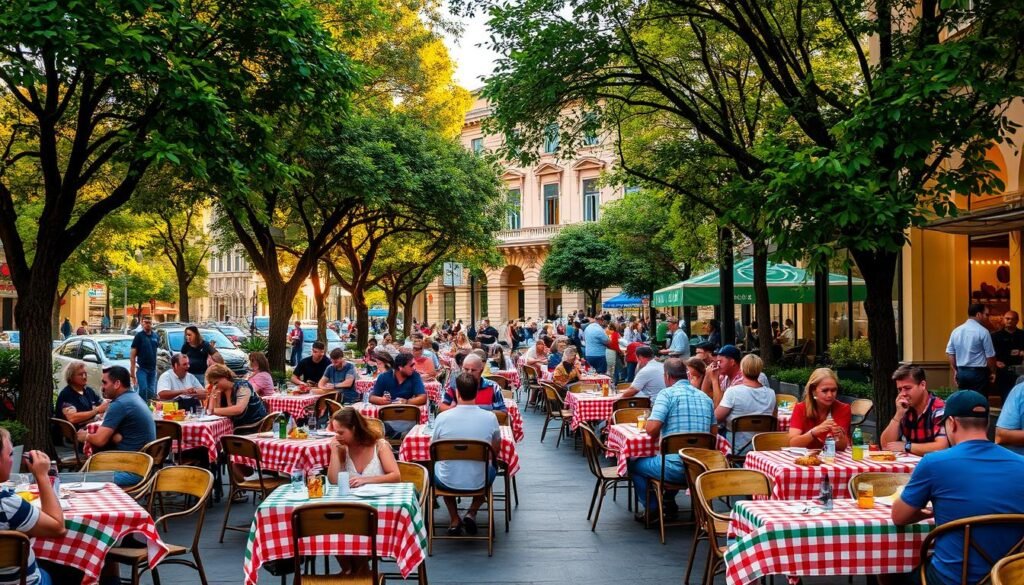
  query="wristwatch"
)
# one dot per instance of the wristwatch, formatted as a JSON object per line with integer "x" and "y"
{"x": 906, "y": 447}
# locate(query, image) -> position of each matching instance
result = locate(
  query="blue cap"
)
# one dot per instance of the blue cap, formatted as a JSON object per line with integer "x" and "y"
{"x": 730, "y": 351}
{"x": 966, "y": 404}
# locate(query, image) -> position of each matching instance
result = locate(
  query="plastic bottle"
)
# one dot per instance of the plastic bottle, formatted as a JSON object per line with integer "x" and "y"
{"x": 430, "y": 414}
{"x": 54, "y": 478}
{"x": 826, "y": 491}
{"x": 282, "y": 426}
{"x": 858, "y": 444}
{"x": 828, "y": 454}
{"x": 366, "y": 398}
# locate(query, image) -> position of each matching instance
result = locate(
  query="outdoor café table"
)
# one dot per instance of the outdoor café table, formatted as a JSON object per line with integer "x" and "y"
{"x": 294, "y": 404}
{"x": 626, "y": 441}
{"x": 286, "y": 455}
{"x": 416, "y": 447}
{"x": 371, "y": 411}
{"x": 401, "y": 532}
{"x": 511, "y": 375}
{"x": 515, "y": 418}
{"x": 774, "y": 537}
{"x": 96, "y": 521}
{"x": 800, "y": 482}
{"x": 364, "y": 384}
{"x": 587, "y": 406}
{"x": 204, "y": 432}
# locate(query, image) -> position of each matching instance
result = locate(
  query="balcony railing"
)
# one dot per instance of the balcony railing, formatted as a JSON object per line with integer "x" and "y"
{"x": 529, "y": 235}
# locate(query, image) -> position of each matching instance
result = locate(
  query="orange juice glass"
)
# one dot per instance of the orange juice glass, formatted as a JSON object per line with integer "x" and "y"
{"x": 865, "y": 496}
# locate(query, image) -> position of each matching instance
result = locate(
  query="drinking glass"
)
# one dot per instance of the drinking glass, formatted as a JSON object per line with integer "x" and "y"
{"x": 865, "y": 495}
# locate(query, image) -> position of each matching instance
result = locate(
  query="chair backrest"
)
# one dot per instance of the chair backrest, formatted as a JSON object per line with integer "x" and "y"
{"x": 530, "y": 374}
{"x": 503, "y": 418}
{"x": 377, "y": 424}
{"x": 70, "y": 436}
{"x": 187, "y": 480}
{"x": 501, "y": 381}
{"x": 159, "y": 450}
{"x": 592, "y": 449}
{"x": 725, "y": 483}
{"x": 321, "y": 403}
{"x": 750, "y": 423}
{"x": 399, "y": 412}
{"x": 770, "y": 441}
{"x": 628, "y": 415}
{"x": 417, "y": 475}
{"x": 168, "y": 428}
{"x": 130, "y": 461}
{"x": 671, "y": 444}
{"x": 782, "y": 398}
{"x": 584, "y": 387}
{"x": 461, "y": 450}
{"x": 241, "y": 447}
{"x": 355, "y": 519}
{"x": 634, "y": 402}
{"x": 1009, "y": 570}
{"x": 708, "y": 458}
{"x": 968, "y": 528}
{"x": 623, "y": 386}
{"x": 508, "y": 394}
{"x": 554, "y": 401}
{"x": 883, "y": 483}
{"x": 14, "y": 550}
{"x": 333, "y": 406}
{"x": 861, "y": 407}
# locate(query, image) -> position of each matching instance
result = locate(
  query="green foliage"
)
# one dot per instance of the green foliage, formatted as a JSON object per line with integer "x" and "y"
{"x": 10, "y": 372}
{"x": 18, "y": 431}
{"x": 849, "y": 354}
{"x": 279, "y": 376}
{"x": 942, "y": 392}
{"x": 858, "y": 389}
{"x": 254, "y": 343}
{"x": 582, "y": 259}
{"x": 797, "y": 376}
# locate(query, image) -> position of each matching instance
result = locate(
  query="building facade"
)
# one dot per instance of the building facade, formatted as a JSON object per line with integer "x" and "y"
{"x": 544, "y": 198}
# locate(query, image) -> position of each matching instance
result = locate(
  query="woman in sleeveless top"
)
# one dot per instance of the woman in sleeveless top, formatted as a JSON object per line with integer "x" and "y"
{"x": 360, "y": 451}
{"x": 232, "y": 398}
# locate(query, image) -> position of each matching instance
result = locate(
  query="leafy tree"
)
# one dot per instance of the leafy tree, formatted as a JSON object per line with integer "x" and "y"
{"x": 582, "y": 259}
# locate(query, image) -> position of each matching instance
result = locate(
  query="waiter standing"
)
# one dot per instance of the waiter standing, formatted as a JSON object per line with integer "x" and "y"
{"x": 971, "y": 352}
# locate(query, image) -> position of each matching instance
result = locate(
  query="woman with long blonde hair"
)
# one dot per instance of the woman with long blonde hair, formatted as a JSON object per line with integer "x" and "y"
{"x": 820, "y": 413}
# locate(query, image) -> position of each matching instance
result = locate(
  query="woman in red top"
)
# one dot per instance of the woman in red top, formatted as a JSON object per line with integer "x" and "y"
{"x": 811, "y": 424}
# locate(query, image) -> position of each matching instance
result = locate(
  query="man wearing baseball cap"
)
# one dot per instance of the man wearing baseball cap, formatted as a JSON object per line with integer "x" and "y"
{"x": 724, "y": 372}
{"x": 959, "y": 483}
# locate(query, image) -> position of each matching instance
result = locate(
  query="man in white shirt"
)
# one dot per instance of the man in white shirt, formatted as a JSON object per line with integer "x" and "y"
{"x": 465, "y": 421}
{"x": 972, "y": 355}
{"x": 178, "y": 381}
{"x": 650, "y": 375}
{"x": 679, "y": 345}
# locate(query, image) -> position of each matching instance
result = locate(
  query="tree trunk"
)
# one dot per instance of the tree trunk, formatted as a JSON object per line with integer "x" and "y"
{"x": 362, "y": 317}
{"x": 320, "y": 300}
{"x": 33, "y": 313}
{"x": 407, "y": 313}
{"x": 183, "y": 312}
{"x": 727, "y": 297}
{"x": 279, "y": 305}
{"x": 762, "y": 304}
{"x": 55, "y": 319}
{"x": 878, "y": 269}
{"x": 392, "y": 318}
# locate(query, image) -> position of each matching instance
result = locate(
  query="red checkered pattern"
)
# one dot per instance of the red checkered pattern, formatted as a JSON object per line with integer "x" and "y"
{"x": 588, "y": 407}
{"x": 433, "y": 388}
{"x": 515, "y": 418}
{"x": 792, "y": 482}
{"x": 401, "y": 533}
{"x": 95, "y": 522}
{"x": 371, "y": 411}
{"x": 800, "y": 482}
{"x": 416, "y": 447}
{"x": 511, "y": 375}
{"x": 547, "y": 375}
{"x": 285, "y": 455}
{"x": 194, "y": 434}
{"x": 625, "y": 441}
{"x": 294, "y": 404}
{"x": 772, "y": 537}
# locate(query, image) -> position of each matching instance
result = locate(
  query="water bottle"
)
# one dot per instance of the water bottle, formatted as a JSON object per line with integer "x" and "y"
{"x": 430, "y": 415}
{"x": 54, "y": 477}
{"x": 826, "y": 491}
{"x": 828, "y": 454}
{"x": 298, "y": 480}
{"x": 858, "y": 444}
{"x": 366, "y": 398}
{"x": 282, "y": 426}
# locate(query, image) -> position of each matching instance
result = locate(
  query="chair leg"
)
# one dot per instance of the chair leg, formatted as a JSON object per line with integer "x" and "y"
{"x": 693, "y": 551}
{"x": 600, "y": 500}
{"x": 508, "y": 500}
{"x": 155, "y": 575}
{"x": 561, "y": 431}
{"x": 661, "y": 516}
{"x": 490, "y": 522}
{"x": 544, "y": 431}
{"x": 515, "y": 491}
{"x": 593, "y": 499}
{"x": 227, "y": 513}
{"x": 430, "y": 521}
{"x": 422, "y": 573}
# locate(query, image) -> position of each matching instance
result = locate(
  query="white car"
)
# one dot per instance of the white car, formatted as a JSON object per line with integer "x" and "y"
{"x": 97, "y": 351}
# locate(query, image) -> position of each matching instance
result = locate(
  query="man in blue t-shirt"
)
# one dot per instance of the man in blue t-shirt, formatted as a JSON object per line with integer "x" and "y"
{"x": 143, "y": 359}
{"x": 1010, "y": 426}
{"x": 595, "y": 341}
{"x": 128, "y": 424}
{"x": 401, "y": 385}
{"x": 958, "y": 482}
{"x": 340, "y": 376}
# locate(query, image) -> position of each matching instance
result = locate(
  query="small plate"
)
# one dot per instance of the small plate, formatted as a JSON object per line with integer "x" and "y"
{"x": 86, "y": 487}
{"x": 370, "y": 491}
{"x": 266, "y": 435}
{"x": 207, "y": 418}
{"x": 321, "y": 434}
{"x": 797, "y": 450}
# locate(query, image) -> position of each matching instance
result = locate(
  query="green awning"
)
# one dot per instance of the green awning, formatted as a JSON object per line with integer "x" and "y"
{"x": 786, "y": 284}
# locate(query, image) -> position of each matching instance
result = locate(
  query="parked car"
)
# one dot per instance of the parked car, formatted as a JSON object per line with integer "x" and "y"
{"x": 10, "y": 339}
{"x": 309, "y": 335}
{"x": 262, "y": 323}
{"x": 172, "y": 337}
{"x": 98, "y": 351}
{"x": 235, "y": 334}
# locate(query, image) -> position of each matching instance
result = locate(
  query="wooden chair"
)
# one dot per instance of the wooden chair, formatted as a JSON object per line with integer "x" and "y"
{"x": 399, "y": 412}
{"x": 749, "y": 423}
{"x": 264, "y": 425}
{"x": 179, "y": 480}
{"x": 501, "y": 381}
{"x": 696, "y": 462}
{"x": 508, "y": 394}
{"x": 634, "y": 402}
{"x": 159, "y": 450}
{"x": 968, "y": 527}
{"x": 70, "y": 435}
{"x": 884, "y": 484}
{"x": 321, "y": 405}
{"x": 140, "y": 464}
{"x": 605, "y": 476}
{"x": 670, "y": 445}
{"x": 1009, "y": 570}
{"x": 724, "y": 483}
{"x": 860, "y": 409}
{"x": 462, "y": 450}
{"x": 417, "y": 475}
{"x": 555, "y": 411}
{"x": 798, "y": 355}
{"x": 783, "y": 398}
{"x": 262, "y": 485}
{"x": 375, "y": 424}
{"x": 14, "y": 551}
{"x": 623, "y": 386}
{"x": 503, "y": 418}
{"x": 330, "y": 518}
{"x": 770, "y": 441}
{"x": 628, "y": 415}
{"x": 531, "y": 381}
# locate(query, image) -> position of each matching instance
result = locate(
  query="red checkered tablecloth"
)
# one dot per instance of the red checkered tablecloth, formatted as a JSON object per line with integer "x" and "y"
{"x": 285, "y": 455}
{"x": 371, "y": 410}
{"x": 96, "y": 521}
{"x": 773, "y": 537}
{"x": 588, "y": 407}
{"x": 625, "y": 441}
{"x": 433, "y": 387}
{"x": 515, "y": 418}
{"x": 511, "y": 375}
{"x": 416, "y": 447}
{"x": 194, "y": 434}
{"x": 800, "y": 482}
{"x": 294, "y": 404}
{"x": 401, "y": 532}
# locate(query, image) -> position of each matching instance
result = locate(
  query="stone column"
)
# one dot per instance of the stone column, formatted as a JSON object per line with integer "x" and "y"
{"x": 535, "y": 294}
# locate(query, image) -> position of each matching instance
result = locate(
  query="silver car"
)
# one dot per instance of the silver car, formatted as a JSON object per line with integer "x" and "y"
{"x": 173, "y": 337}
{"x": 98, "y": 351}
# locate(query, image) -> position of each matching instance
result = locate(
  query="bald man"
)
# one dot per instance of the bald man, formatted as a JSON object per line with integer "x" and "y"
{"x": 488, "y": 396}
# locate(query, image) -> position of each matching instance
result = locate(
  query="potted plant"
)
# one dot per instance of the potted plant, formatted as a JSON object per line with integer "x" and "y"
{"x": 793, "y": 380}
{"x": 18, "y": 433}
{"x": 851, "y": 359}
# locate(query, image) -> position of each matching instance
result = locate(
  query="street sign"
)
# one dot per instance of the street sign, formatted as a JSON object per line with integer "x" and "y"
{"x": 452, "y": 274}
